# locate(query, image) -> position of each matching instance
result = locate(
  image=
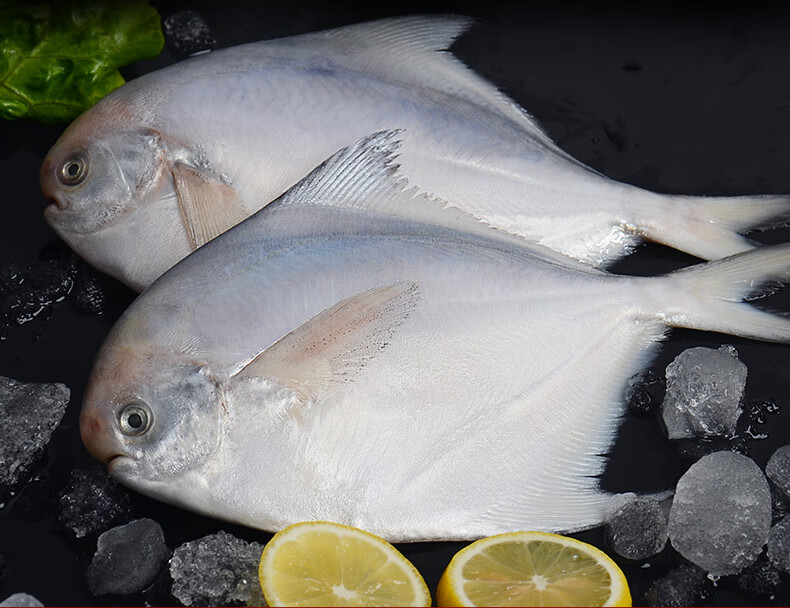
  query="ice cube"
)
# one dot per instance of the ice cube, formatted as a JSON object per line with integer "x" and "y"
{"x": 217, "y": 570}
{"x": 93, "y": 502}
{"x": 127, "y": 558}
{"x": 187, "y": 33}
{"x": 637, "y": 527}
{"x": 704, "y": 391}
{"x": 779, "y": 545}
{"x": 778, "y": 469}
{"x": 721, "y": 513}
{"x": 22, "y": 600}
{"x": 760, "y": 579}
{"x": 29, "y": 413}
{"x": 686, "y": 585}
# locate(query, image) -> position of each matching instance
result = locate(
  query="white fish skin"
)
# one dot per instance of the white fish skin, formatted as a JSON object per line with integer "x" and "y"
{"x": 442, "y": 385}
{"x": 179, "y": 155}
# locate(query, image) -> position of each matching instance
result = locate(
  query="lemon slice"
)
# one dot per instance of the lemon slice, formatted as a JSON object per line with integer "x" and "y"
{"x": 324, "y": 564}
{"x": 532, "y": 569}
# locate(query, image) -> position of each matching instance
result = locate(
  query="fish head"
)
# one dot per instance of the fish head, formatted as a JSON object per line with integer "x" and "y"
{"x": 154, "y": 418}
{"x": 100, "y": 168}
{"x": 110, "y": 190}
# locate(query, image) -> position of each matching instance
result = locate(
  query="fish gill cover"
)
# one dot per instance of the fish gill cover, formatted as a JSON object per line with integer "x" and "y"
{"x": 58, "y": 59}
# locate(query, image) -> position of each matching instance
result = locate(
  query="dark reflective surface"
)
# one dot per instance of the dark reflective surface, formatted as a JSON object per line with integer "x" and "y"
{"x": 677, "y": 102}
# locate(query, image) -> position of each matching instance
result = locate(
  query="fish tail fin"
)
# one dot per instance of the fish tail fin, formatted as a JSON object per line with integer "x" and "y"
{"x": 711, "y": 296}
{"x": 710, "y": 227}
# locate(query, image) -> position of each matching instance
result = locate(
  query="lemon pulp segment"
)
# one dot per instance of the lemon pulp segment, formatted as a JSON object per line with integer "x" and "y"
{"x": 532, "y": 569}
{"x": 324, "y": 564}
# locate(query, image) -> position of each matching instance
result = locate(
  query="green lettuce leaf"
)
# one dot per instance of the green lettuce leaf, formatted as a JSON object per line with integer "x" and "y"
{"x": 59, "y": 58}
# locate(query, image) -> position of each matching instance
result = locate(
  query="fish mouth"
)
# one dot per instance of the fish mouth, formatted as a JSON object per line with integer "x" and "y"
{"x": 117, "y": 460}
{"x": 55, "y": 215}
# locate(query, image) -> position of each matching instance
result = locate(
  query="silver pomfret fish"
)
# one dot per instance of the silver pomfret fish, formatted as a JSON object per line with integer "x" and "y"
{"x": 177, "y": 156}
{"x": 444, "y": 384}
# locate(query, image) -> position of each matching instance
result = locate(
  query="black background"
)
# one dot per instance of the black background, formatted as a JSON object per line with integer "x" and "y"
{"x": 667, "y": 98}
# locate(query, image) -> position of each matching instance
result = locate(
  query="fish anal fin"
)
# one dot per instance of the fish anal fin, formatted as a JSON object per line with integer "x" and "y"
{"x": 208, "y": 206}
{"x": 335, "y": 344}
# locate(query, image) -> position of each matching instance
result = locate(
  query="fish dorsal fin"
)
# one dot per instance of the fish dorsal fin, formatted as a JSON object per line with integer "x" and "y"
{"x": 333, "y": 345}
{"x": 208, "y": 206}
{"x": 365, "y": 176}
{"x": 413, "y": 50}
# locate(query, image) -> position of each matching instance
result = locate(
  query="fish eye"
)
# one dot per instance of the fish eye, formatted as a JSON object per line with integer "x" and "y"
{"x": 74, "y": 170}
{"x": 135, "y": 419}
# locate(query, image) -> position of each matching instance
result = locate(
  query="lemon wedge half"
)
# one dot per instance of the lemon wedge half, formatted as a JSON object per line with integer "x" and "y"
{"x": 327, "y": 564}
{"x": 532, "y": 569}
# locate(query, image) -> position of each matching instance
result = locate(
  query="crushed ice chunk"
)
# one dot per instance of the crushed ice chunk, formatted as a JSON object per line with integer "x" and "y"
{"x": 760, "y": 579}
{"x": 22, "y": 600}
{"x": 92, "y": 502}
{"x": 187, "y": 33}
{"x": 637, "y": 527}
{"x": 127, "y": 558}
{"x": 754, "y": 419}
{"x": 27, "y": 291}
{"x": 779, "y": 545}
{"x": 721, "y": 513}
{"x": 217, "y": 570}
{"x": 704, "y": 391}
{"x": 88, "y": 293}
{"x": 686, "y": 585}
{"x": 778, "y": 469}
{"x": 29, "y": 413}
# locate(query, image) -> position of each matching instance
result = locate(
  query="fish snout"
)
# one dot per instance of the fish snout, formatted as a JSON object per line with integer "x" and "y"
{"x": 50, "y": 187}
{"x": 98, "y": 437}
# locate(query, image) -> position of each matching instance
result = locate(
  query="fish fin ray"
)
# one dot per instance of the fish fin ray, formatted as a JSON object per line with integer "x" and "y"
{"x": 413, "y": 50}
{"x": 208, "y": 206}
{"x": 710, "y": 226}
{"x": 718, "y": 291}
{"x": 335, "y": 344}
{"x": 365, "y": 176}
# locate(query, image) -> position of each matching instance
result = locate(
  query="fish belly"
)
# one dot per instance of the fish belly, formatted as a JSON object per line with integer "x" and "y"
{"x": 488, "y": 411}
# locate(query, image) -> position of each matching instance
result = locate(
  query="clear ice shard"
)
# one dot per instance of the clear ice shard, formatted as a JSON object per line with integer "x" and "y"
{"x": 127, "y": 558}
{"x": 704, "y": 391}
{"x": 30, "y": 412}
{"x": 721, "y": 513}
{"x": 92, "y": 502}
{"x": 636, "y": 527}
{"x": 217, "y": 570}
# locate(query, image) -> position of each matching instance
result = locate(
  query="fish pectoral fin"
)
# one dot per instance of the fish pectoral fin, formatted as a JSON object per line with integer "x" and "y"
{"x": 335, "y": 344}
{"x": 208, "y": 206}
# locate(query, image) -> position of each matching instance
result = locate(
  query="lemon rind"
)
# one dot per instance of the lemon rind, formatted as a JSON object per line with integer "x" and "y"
{"x": 619, "y": 591}
{"x": 423, "y": 595}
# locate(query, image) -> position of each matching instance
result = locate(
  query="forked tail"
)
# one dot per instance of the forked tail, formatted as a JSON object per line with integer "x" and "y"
{"x": 710, "y": 227}
{"x": 711, "y": 296}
